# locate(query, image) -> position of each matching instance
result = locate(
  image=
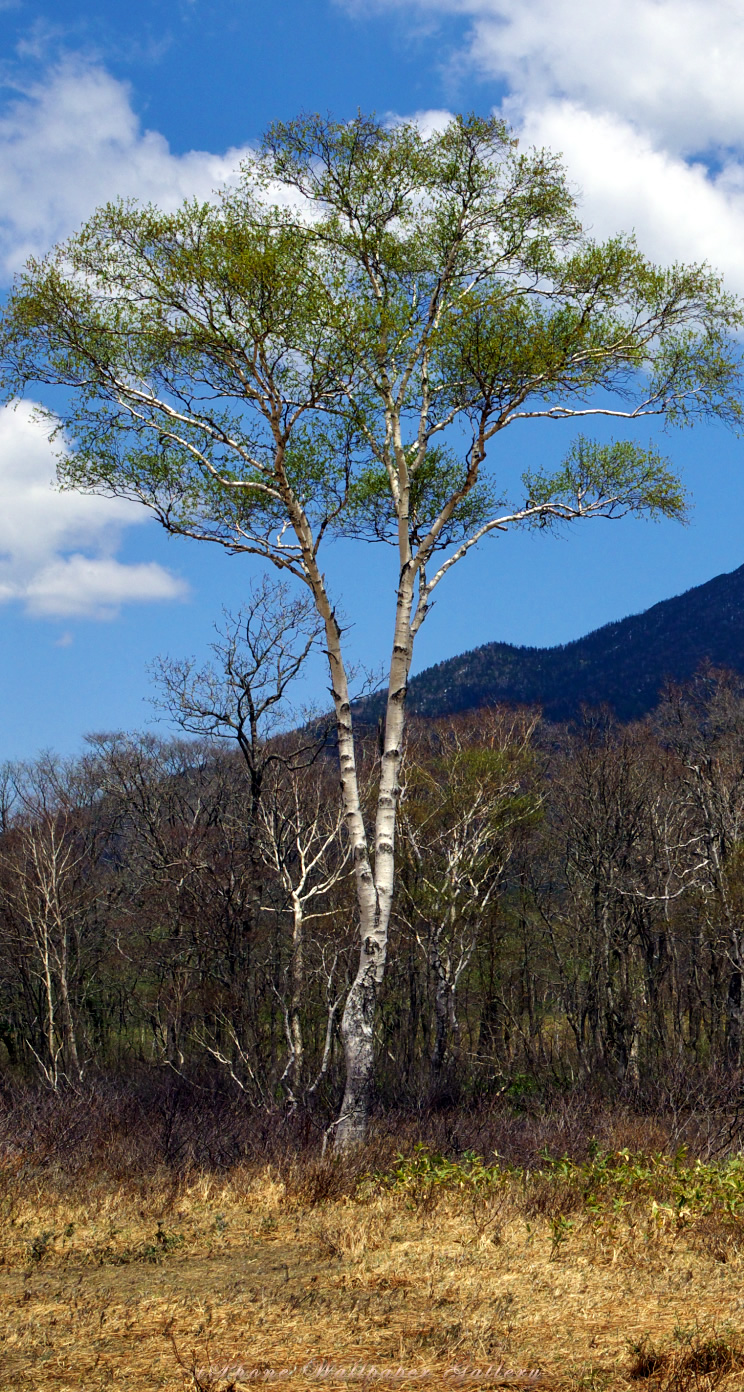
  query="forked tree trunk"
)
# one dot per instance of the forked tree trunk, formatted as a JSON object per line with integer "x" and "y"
{"x": 375, "y": 892}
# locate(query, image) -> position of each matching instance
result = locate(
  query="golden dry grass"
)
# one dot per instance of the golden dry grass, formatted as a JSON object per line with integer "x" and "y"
{"x": 111, "y": 1284}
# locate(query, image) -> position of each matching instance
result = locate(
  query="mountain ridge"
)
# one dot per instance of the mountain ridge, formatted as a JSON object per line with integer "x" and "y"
{"x": 623, "y": 664}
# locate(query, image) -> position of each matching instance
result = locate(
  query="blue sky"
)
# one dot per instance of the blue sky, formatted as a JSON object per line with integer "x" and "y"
{"x": 644, "y": 99}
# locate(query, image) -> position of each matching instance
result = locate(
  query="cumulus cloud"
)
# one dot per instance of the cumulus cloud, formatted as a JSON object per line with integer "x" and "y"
{"x": 677, "y": 209}
{"x": 67, "y": 144}
{"x": 429, "y": 121}
{"x": 97, "y": 586}
{"x": 633, "y": 93}
{"x": 670, "y": 66}
{"x": 628, "y": 90}
{"x": 70, "y": 143}
{"x": 58, "y": 550}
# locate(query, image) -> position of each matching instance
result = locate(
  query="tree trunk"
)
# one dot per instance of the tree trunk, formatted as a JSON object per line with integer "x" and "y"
{"x": 70, "y": 1055}
{"x": 734, "y": 1018}
{"x": 446, "y": 1024}
{"x": 441, "y": 1020}
{"x": 295, "y": 1000}
{"x": 357, "y": 1036}
{"x": 357, "y": 1025}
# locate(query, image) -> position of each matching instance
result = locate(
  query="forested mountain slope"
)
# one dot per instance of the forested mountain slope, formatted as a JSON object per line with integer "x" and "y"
{"x": 623, "y": 664}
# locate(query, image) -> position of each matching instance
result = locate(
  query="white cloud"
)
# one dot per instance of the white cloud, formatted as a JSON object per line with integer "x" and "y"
{"x": 73, "y": 142}
{"x": 631, "y": 92}
{"x": 68, "y": 144}
{"x": 57, "y": 550}
{"x": 678, "y": 211}
{"x": 628, "y": 90}
{"x": 673, "y": 67}
{"x": 429, "y": 121}
{"x": 96, "y": 586}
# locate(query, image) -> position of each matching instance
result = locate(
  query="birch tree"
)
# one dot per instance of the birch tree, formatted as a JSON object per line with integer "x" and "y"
{"x": 303, "y": 844}
{"x": 466, "y": 789}
{"x": 243, "y": 695}
{"x": 702, "y": 724}
{"x": 335, "y": 347}
{"x": 52, "y": 900}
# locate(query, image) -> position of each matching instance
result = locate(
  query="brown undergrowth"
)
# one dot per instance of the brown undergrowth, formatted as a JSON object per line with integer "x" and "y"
{"x": 620, "y": 1270}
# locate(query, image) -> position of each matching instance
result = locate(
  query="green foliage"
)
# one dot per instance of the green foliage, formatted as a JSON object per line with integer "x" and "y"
{"x": 261, "y": 372}
{"x": 424, "y": 1174}
{"x": 520, "y": 1087}
{"x": 163, "y": 1245}
{"x": 370, "y": 510}
{"x": 619, "y": 477}
{"x": 561, "y": 1228}
{"x": 674, "y": 1186}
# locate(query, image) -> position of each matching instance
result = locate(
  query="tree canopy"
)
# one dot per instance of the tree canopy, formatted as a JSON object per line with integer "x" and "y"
{"x": 334, "y": 346}
{"x": 335, "y": 343}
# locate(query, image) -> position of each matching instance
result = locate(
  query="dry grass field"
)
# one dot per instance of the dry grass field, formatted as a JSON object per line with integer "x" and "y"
{"x": 620, "y": 1272}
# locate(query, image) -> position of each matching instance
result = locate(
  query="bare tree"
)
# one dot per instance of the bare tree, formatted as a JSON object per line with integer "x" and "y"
{"x": 303, "y": 841}
{"x": 242, "y": 696}
{"x": 703, "y": 724}
{"x": 619, "y": 849}
{"x": 466, "y": 788}
{"x": 51, "y": 890}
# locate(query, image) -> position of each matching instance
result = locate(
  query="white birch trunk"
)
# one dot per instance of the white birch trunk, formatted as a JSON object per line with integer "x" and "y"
{"x": 357, "y": 1025}
{"x": 296, "y": 990}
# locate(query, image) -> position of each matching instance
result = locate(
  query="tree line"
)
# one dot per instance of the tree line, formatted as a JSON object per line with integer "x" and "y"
{"x": 569, "y": 903}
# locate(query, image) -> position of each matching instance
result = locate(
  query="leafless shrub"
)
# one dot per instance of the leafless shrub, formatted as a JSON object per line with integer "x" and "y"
{"x": 549, "y": 1196}
{"x": 311, "y": 1180}
{"x": 698, "y": 1361}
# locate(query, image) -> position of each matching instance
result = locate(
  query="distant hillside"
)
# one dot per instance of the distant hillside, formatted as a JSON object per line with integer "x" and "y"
{"x": 624, "y": 664}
